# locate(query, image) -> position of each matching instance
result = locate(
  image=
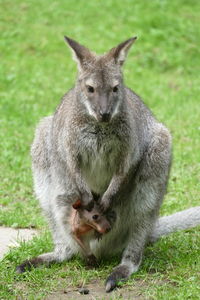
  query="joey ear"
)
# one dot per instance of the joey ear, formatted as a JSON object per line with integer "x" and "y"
{"x": 77, "y": 204}
{"x": 80, "y": 52}
{"x": 120, "y": 52}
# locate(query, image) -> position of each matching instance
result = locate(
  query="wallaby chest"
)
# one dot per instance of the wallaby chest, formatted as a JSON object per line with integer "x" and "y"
{"x": 99, "y": 159}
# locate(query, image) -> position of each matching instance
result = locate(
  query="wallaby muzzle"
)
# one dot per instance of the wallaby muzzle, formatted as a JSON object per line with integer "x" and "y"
{"x": 104, "y": 116}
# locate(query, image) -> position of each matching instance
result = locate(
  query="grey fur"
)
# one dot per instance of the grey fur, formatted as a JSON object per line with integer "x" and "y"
{"x": 179, "y": 221}
{"x": 124, "y": 158}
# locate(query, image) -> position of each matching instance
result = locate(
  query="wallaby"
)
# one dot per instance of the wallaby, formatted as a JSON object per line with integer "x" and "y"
{"x": 102, "y": 140}
{"x": 88, "y": 222}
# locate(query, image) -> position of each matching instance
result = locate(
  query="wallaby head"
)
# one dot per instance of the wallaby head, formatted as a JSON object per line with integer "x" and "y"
{"x": 93, "y": 218}
{"x": 100, "y": 81}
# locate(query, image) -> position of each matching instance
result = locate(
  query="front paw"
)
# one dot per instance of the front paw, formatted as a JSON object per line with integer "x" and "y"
{"x": 87, "y": 201}
{"x": 98, "y": 235}
{"x": 91, "y": 261}
{"x": 120, "y": 273}
{"x": 104, "y": 204}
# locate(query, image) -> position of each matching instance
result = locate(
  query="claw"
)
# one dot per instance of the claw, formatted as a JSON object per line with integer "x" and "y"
{"x": 92, "y": 261}
{"x": 119, "y": 274}
{"x": 25, "y": 266}
{"x": 20, "y": 270}
{"x": 28, "y": 264}
{"x": 98, "y": 235}
{"x": 111, "y": 284}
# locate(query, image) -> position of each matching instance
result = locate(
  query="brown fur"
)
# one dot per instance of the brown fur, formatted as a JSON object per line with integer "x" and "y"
{"x": 84, "y": 222}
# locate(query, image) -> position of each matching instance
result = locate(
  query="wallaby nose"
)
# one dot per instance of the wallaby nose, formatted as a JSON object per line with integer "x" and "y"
{"x": 108, "y": 229}
{"x": 105, "y": 116}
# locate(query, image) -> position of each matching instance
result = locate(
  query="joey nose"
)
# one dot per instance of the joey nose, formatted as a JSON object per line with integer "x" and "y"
{"x": 108, "y": 229}
{"x": 105, "y": 116}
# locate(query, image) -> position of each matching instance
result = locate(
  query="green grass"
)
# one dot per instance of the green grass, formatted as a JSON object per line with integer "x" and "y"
{"x": 36, "y": 70}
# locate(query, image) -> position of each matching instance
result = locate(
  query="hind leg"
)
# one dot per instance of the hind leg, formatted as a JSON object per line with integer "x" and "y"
{"x": 56, "y": 206}
{"x": 58, "y": 255}
{"x": 150, "y": 186}
{"x": 55, "y": 192}
{"x": 65, "y": 246}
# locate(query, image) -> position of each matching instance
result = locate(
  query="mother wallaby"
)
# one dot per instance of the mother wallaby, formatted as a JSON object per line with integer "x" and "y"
{"x": 103, "y": 142}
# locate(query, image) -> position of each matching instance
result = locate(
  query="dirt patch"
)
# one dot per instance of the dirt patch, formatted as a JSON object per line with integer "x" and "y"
{"x": 135, "y": 290}
{"x": 97, "y": 291}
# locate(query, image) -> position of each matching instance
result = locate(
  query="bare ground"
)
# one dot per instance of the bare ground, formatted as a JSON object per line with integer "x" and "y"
{"x": 97, "y": 291}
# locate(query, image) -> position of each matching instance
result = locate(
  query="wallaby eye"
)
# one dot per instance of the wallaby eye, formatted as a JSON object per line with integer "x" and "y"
{"x": 115, "y": 89}
{"x": 95, "y": 217}
{"x": 90, "y": 89}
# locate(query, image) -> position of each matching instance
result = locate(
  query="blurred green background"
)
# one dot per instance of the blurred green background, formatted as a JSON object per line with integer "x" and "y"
{"x": 36, "y": 70}
{"x": 36, "y": 67}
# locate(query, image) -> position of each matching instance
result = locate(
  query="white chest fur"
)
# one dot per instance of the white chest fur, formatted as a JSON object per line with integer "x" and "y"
{"x": 98, "y": 167}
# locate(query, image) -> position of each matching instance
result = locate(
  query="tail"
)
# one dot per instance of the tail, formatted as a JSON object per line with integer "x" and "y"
{"x": 179, "y": 221}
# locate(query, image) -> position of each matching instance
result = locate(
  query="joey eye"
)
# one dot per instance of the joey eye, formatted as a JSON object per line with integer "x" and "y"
{"x": 95, "y": 217}
{"x": 90, "y": 89}
{"x": 115, "y": 89}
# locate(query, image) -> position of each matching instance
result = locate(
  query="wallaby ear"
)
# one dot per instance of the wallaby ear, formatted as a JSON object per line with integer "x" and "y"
{"x": 80, "y": 52}
{"x": 77, "y": 204}
{"x": 120, "y": 52}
